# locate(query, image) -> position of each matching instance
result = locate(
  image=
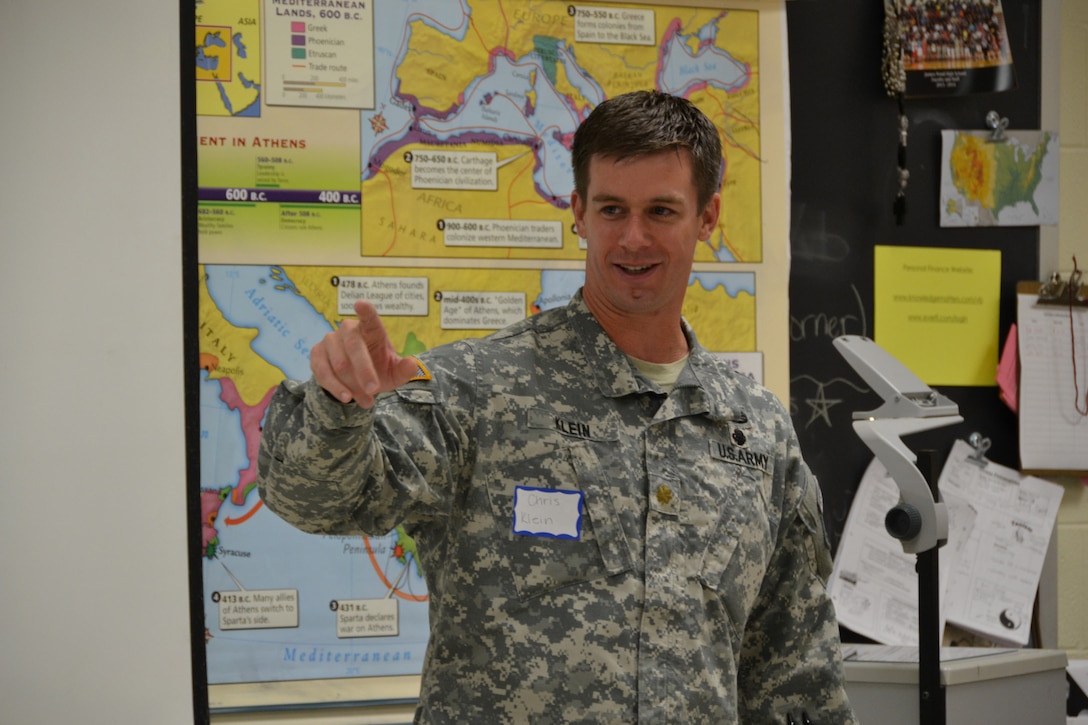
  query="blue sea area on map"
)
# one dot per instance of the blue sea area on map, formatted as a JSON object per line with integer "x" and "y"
{"x": 206, "y": 62}
{"x": 212, "y": 39}
{"x": 287, "y": 324}
{"x": 732, "y": 282}
{"x": 239, "y": 45}
{"x": 224, "y": 97}
{"x": 263, "y": 552}
{"x": 253, "y": 110}
{"x": 557, "y": 287}
{"x": 722, "y": 254}
{"x": 712, "y": 66}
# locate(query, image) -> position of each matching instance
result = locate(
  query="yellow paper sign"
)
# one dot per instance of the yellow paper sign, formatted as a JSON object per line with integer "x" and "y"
{"x": 937, "y": 311}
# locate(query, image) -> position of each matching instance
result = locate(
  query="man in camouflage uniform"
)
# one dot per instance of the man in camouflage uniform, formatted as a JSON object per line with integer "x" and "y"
{"x": 615, "y": 527}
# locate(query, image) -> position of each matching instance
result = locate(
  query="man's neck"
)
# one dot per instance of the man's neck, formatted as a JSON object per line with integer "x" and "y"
{"x": 653, "y": 339}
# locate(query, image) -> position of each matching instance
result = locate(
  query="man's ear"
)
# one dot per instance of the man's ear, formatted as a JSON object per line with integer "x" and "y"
{"x": 709, "y": 220}
{"x": 577, "y": 206}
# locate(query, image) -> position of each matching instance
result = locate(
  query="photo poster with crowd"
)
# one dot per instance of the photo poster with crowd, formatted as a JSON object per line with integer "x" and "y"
{"x": 417, "y": 154}
{"x": 953, "y": 47}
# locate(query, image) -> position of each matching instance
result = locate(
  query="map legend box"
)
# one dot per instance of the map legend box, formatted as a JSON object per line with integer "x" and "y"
{"x": 325, "y": 60}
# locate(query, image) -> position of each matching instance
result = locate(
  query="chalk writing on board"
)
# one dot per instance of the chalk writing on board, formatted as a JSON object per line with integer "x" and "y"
{"x": 819, "y": 403}
{"x": 830, "y": 326}
{"x": 815, "y": 243}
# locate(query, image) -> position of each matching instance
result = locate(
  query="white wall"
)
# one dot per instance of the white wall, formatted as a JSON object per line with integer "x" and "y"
{"x": 93, "y": 571}
{"x": 1073, "y": 240}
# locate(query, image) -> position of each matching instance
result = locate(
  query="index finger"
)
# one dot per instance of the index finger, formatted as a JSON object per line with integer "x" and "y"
{"x": 369, "y": 319}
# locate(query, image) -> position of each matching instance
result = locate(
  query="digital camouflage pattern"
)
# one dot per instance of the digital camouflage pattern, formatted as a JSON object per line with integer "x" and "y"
{"x": 694, "y": 591}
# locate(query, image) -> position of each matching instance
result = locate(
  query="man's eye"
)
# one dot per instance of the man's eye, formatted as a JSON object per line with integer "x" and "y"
{"x": 662, "y": 211}
{"x": 610, "y": 210}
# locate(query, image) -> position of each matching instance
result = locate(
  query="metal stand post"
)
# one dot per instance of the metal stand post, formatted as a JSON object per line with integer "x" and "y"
{"x": 920, "y": 519}
{"x": 931, "y": 694}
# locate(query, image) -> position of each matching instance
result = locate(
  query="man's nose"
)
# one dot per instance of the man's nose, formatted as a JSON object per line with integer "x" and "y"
{"x": 636, "y": 233}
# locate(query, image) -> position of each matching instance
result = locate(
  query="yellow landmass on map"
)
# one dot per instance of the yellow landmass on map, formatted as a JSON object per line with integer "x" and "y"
{"x": 722, "y": 323}
{"x": 705, "y": 309}
{"x": 407, "y": 332}
{"x": 228, "y": 352}
{"x": 402, "y": 221}
{"x": 222, "y": 28}
{"x": 438, "y": 76}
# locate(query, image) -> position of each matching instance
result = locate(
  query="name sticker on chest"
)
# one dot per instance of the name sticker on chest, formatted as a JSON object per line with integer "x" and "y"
{"x": 548, "y": 512}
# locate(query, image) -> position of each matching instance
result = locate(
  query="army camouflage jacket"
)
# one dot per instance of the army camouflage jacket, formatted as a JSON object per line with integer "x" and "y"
{"x": 595, "y": 550}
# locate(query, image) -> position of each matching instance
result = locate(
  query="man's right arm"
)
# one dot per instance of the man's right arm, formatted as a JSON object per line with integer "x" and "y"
{"x": 317, "y": 448}
{"x": 311, "y": 446}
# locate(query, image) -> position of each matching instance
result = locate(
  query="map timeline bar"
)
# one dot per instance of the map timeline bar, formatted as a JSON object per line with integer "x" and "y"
{"x": 331, "y": 197}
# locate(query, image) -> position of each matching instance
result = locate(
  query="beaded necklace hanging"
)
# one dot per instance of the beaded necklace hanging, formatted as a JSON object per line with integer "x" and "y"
{"x": 895, "y": 84}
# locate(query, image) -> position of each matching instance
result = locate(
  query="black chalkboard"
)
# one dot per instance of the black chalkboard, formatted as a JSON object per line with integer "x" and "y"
{"x": 845, "y": 135}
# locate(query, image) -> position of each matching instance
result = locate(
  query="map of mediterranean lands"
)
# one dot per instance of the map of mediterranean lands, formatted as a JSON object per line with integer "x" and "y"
{"x": 284, "y": 605}
{"x": 1010, "y": 182}
{"x": 228, "y": 58}
{"x": 468, "y": 150}
{"x": 441, "y": 129}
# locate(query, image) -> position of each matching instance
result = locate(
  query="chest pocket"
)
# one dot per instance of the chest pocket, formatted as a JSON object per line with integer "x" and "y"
{"x": 538, "y": 564}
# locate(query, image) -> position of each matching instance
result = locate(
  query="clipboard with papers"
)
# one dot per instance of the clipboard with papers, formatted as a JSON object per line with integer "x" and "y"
{"x": 1052, "y": 338}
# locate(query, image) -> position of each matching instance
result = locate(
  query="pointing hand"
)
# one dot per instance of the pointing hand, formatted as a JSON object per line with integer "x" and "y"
{"x": 357, "y": 360}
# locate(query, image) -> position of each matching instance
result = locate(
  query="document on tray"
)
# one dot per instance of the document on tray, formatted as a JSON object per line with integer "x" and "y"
{"x": 1000, "y": 523}
{"x": 992, "y": 590}
{"x": 874, "y": 584}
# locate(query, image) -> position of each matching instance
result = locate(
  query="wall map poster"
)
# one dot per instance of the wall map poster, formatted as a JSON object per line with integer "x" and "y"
{"x": 1007, "y": 182}
{"x": 417, "y": 153}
